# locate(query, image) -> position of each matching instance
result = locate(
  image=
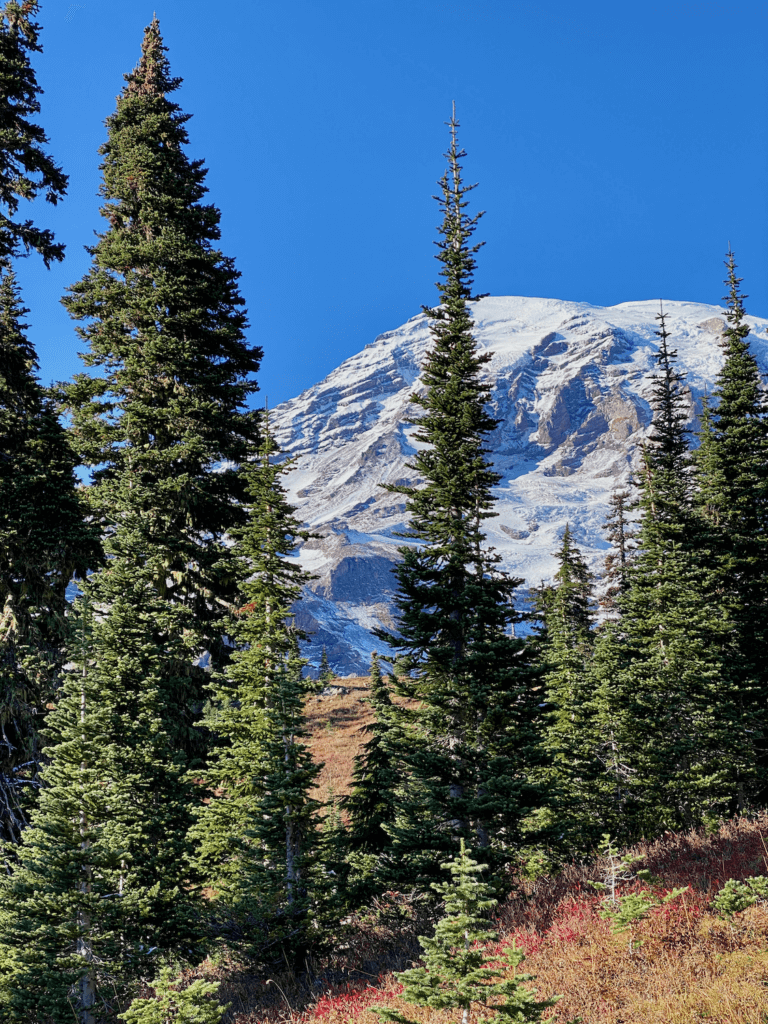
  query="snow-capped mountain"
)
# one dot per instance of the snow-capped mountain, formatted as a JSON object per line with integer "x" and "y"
{"x": 570, "y": 383}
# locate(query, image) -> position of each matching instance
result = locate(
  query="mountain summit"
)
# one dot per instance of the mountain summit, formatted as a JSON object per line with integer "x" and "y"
{"x": 570, "y": 384}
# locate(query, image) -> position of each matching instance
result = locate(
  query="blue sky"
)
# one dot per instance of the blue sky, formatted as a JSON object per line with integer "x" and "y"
{"x": 618, "y": 147}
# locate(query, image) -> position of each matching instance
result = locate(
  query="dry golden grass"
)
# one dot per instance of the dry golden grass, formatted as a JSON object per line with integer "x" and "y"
{"x": 335, "y": 734}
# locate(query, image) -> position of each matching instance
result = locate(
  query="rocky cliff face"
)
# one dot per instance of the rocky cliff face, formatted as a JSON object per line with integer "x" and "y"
{"x": 570, "y": 384}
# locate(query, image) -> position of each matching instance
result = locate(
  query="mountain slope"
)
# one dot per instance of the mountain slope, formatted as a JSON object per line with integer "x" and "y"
{"x": 570, "y": 383}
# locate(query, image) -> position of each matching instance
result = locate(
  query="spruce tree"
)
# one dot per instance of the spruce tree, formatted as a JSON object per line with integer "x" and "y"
{"x": 732, "y": 500}
{"x": 26, "y": 170}
{"x": 257, "y": 838}
{"x": 101, "y": 888}
{"x": 161, "y": 417}
{"x": 458, "y": 973}
{"x": 472, "y": 724}
{"x": 44, "y": 541}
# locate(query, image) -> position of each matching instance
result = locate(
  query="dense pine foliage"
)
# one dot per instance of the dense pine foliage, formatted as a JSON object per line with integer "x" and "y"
{"x": 26, "y": 169}
{"x": 162, "y": 417}
{"x": 44, "y": 541}
{"x": 158, "y": 796}
{"x": 468, "y": 740}
{"x": 258, "y": 836}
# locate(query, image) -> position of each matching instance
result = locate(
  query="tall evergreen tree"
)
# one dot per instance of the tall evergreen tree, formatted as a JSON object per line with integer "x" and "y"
{"x": 44, "y": 541}
{"x": 370, "y": 804}
{"x": 732, "y": 498}
{"x": 257, "y": 838}
{"x": 670, "y": 704}
{"x": 473, "y": 724}
{"x": 100, "y": 890}
{"x": 42, "y": 537}
{"x": 621, "y": 536}
{"x": 26, "y": 170}
{"x": 162, "y": 417}
{"x": 567, "y": 609}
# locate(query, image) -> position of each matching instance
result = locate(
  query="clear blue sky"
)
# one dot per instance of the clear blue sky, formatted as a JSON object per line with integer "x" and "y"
{"x": 618, "y": 147}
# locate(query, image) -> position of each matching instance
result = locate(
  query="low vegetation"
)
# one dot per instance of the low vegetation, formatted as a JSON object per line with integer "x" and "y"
{"x": 686, "y": 962}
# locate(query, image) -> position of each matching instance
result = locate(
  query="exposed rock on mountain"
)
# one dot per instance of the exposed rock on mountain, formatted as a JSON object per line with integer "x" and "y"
{"x": 570, "y": 383}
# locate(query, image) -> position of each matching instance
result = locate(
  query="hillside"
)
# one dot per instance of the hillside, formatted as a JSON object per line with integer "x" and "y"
{"x": 684, "y": 963}
{"x": 336, "y": 724}
{"x": 570, "y": 384}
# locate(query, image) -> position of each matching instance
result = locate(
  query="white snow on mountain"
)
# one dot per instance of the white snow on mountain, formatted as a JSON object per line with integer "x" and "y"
{"x": 570, "y": 383}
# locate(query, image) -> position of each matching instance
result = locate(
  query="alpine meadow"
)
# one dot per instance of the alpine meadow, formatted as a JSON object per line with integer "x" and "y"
{"x": 297, "y": 722}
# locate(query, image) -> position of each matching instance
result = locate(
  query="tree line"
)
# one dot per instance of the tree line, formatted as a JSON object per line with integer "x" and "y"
{"x": 156, "y": 787}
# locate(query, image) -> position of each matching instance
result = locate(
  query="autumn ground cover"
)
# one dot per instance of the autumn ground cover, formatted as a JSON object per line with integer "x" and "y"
{"x": 681, "y": 964}
{"x": 335, "y": 726}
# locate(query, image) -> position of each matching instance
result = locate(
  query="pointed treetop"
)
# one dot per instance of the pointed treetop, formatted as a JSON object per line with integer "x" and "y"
{"x": 457, "y": 228}
{"x": 19, "y": 18}
{"x": 152, "y": 75}
{"x": 669, "y": 398}
{"x": 26, "y": 170}
{"x": 18, "y": 360}
{"x": 735, "y": 312}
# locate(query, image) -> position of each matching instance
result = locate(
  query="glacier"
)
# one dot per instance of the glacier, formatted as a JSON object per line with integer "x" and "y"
{"x": 570, "y": 384}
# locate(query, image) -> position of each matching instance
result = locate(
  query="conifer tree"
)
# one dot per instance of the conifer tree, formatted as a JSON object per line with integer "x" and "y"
{"x": 732, "y": 499}
{"x": 374, "y": 778}
{"x": 100, "y": 890}
{"x": 44, "y": 541}
{"x": 257, "y": 838}
{"x": 325, "y": 674}
{"x": 191, "y": 1005}
{"x": 670, "y": 704}
{"x": 26, "y": 170}
{"x": 42, "y": 536}
{"x": 621, "y": 536}
{"x": 162, "y": 418}
{"x": 371, "y": 805}
{"x": 568, "y": 612}
{"x": 458, "y": 973}
{"x": 473, "y": 731}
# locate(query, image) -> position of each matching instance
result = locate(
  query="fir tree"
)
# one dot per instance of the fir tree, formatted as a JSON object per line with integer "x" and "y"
{"x": 371, "y": 804}
{"x": 325, "y": 674}
{"x": 473, "y": 730}
{"x": 458, "y": 973}
{"x": 374, "y": 776}
{"x": 172, "y": 1004}
{"x": 670, "y": 704}
{"x": 43, "y": 543}
{"x": 26, "y": 170}
{"x": 257, "y": 838}
{"x": 162, "y": 417}
{"x": 732, "y": 499}
{"x": 100, "y": 889}
{"x": 42, "y": 537}
{"x": 568, "y": 611}
{"x": 621, "y": 536}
